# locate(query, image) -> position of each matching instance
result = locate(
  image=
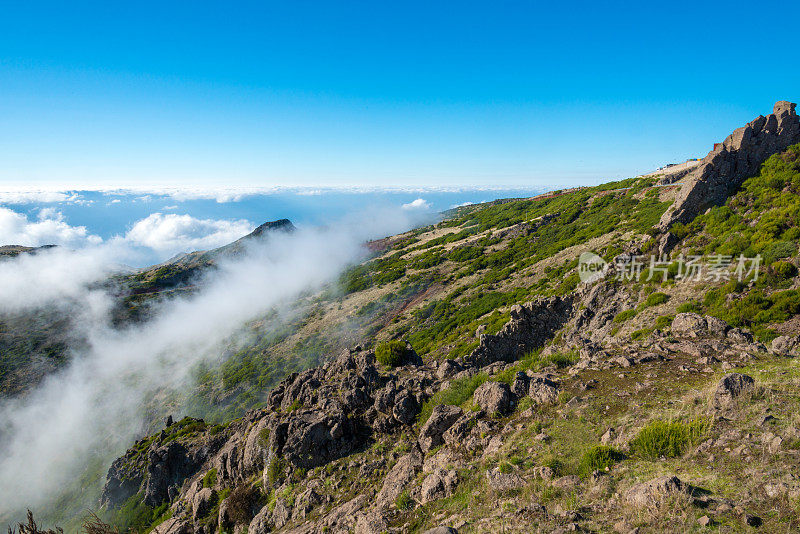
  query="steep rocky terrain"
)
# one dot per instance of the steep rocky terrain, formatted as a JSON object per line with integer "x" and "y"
{"x": 485, "y": 388}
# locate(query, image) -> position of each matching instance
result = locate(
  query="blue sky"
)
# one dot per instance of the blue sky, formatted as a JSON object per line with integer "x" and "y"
{"x": 386, "y": 94}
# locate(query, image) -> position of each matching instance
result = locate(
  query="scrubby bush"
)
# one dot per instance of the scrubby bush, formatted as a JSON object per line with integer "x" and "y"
{"x": 599, "y": 457}
{"x": 689, "y": 307}
{"x": 240, "y": 504}
{"x": 656, "y": 298}
{"x": 391, "y": 353}
{"x": 668, "y": 438}
{"x": 210, "y": 478}
{"x": 783, "y": 270}
{"x": 623, "y": 316}
{"x": 664, "y": 321}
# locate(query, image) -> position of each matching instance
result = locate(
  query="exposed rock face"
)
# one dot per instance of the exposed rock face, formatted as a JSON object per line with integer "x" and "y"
{"x": 530, "y": 326}
{"x": 442, "y": 417}
{"x": 730, "y": 163}
{"x": 542, "y": 389}
{"x": 786, "y": 345}
{"x": 399, "y": 477}
{"x": 439, "y": 484}
{"x": 730, "y": 388}
{"x": 493, "y": 397}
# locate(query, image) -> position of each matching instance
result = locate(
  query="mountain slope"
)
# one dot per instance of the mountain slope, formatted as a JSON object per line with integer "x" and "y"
{"x": 525, "y": 398}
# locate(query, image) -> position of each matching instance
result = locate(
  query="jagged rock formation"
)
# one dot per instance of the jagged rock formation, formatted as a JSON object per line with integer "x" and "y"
{"x": 731, "y": 162}
{"x": 325, "y": 413}
{"x": 531, "y": 325}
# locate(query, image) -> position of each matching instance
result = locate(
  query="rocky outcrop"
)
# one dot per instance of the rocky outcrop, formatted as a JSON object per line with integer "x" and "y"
{"x": 493, "y": 397}
{"x": 531, "y": 325}
{"x": 731, "y": 162}
{"x": 730, "y": 388}
{"x": 440, "y": 420}
{"x": 785, "y": 346}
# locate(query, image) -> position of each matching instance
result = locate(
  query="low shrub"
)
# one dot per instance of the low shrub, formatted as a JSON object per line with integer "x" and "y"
{"x": 210, "y": 478}
{"x": 668, "y": 438}
{"x": 599, "y": 457}
{"x": 404, "y": 501}
{"x": 391, "y": 353}
{"x": 689, "y": 307}
{"x": 664, "y": 321}
{"x": 656, "y": 298}
{"x": 623, "y": 316}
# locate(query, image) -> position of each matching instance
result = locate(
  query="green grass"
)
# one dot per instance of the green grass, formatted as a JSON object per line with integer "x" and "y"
{"x": 404, "y": 501}
{"x": 459, "y": 392}
{"x": 599, "y": 457}
{"x": 668, "y": 438}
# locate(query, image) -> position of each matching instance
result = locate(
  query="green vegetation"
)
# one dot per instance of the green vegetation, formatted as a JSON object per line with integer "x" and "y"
{"x": 210, "y": 478}
{"x": 599, "y": 457}
{"x": 655, "y": 299}
{"x": 404, "y": 501}
{"x": 689, "y": 307}
{"x": 623, "y": 316}
{"x": 753, "y": 310}
{"x": 459, "y": 392}
{"x": 664, "y": 321}
{"x": 668, "y": 438}
{"x": 135, "y": 516}
{"x": 275, "y": 470}
{"x": 391, "y": 353}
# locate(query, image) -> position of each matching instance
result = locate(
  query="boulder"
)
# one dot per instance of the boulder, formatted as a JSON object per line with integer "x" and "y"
{"x": 785, "y": 346}
{"x": 459, "y": 430}
{"x": 503, "y": 481}
{"x": 543, "y": 390}
{"x": 654, "y": 492}
{"x": 730, "y": 388}
{"x": 447, "y": 369}
{"x": 405, "y": 408}
{"x": 438, "y": 485}
{"x": 493, "y": 397}
{"x": 441, "y": 418}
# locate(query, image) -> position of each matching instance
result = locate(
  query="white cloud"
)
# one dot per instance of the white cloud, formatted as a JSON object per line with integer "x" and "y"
{"x": 171, "y": 233}
{"x": 21, "y": 196}
{"x": 419, "y": 204}
{"x": 49, "y": 229}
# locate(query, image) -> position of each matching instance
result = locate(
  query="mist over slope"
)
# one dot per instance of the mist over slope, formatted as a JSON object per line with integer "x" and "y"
{"x": 94, "y": 405}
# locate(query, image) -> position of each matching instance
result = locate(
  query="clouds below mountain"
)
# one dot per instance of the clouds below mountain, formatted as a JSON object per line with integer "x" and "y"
{"x": 172, "y": 233}
{"x": 49, "y": 228}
